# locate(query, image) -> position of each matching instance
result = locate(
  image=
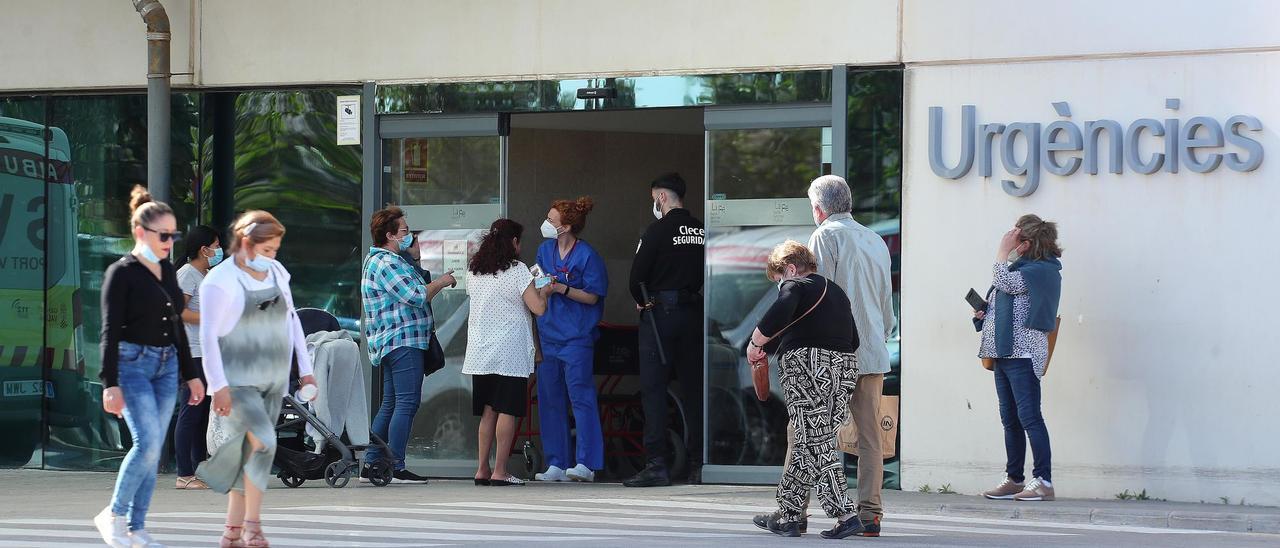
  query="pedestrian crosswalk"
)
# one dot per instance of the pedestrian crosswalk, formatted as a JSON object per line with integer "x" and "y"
{"x": 564, "y": 521}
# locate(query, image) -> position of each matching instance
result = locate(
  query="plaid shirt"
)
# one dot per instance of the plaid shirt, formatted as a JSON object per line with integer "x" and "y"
{"x": 396, "y": 308}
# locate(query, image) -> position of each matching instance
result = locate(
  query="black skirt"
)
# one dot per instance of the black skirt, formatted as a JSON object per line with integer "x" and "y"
{"x": 506, "y": 395}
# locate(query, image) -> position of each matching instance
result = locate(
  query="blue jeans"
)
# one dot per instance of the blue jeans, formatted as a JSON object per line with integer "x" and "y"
{"x": 1019, "y": 390}
{"x": 189, "y": 432}
{"x": 401, "y": 395}
{"x": 565, "y": 376}
{"x": 148, "y": 380}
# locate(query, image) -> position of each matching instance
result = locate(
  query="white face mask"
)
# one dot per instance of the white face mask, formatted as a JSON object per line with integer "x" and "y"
{"x": 549, "y": 230}
{"x": 657, "y": 212}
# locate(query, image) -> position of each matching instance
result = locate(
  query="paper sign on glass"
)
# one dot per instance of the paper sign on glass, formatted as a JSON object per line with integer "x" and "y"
{"x": 455, "y": 259}
{"x": 348, "y": 119}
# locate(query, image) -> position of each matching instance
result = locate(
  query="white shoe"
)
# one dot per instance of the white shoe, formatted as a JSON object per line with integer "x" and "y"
{"x": 553, "y": 473}
{"x": 581, "y": 473}
{"x": 114, "y": 529}
{"x": 142, "y": 539}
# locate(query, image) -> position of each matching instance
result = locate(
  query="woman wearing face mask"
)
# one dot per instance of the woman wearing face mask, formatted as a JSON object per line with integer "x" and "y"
{"x": 248, "y": 333}
{"x": 568, "y": 335}
{"x": 398, "y": 327}
{"x": 1022, "y": 308}
{"x": 500, "y": 344}
{"x": 203, "y": 252}
{"x": 144, "y": 350}
{"x": 811, "y": 324}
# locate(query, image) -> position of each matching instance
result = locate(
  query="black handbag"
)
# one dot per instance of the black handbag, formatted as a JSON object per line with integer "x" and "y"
{"x": 433, "y": 359}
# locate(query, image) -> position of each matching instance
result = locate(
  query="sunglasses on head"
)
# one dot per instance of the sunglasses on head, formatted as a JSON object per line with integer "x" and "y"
{"x": 165, "y": 236}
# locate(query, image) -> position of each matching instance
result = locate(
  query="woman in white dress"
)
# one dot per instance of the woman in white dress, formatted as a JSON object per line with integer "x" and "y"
{"x": 500, "y": 344}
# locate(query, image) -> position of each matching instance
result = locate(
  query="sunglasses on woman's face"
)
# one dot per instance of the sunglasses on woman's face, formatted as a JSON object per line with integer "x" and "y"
{"x": 165, "y": 236}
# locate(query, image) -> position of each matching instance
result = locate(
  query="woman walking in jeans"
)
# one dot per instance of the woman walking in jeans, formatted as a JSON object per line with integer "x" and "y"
{"x": 144, "y": 350}
{"x": 1022, "y": 308}
{"x": 203, "y": 252}
{"x": 398, "y": 327}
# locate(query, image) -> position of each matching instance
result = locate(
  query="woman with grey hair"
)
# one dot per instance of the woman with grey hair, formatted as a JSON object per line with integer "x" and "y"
{"x": 811, "y": 328}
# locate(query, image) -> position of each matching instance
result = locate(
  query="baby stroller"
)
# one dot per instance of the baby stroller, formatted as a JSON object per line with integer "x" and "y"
{"x": 337, "y": 463}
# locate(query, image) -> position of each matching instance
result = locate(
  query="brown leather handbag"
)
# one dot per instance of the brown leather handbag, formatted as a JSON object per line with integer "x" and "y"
{"x": 760, "y": 370}
{"x": 990, "y": 363}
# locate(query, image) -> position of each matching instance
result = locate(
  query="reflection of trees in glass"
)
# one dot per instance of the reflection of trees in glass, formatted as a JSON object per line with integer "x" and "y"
{"x": 288, "y": 162}
{"x": 548, "y": 95}
{"x": 764, "y": 87}
{"x": 764, "y": 163}
{"x": 467, "y": 97}
{"x": 875, "y": 143}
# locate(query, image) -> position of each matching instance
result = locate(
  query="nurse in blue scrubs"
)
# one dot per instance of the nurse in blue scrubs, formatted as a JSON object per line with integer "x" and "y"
{"x": 567, "y": 332}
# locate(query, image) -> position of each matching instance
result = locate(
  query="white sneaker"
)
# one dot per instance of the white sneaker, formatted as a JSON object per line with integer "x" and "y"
{"x": 553, "y": 473}
{"x": 142, "y": 539}
{"x": 114, "y": 529}
{"x": 581, "y": 473}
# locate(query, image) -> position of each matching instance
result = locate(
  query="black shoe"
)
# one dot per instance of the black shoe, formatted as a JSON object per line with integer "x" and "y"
{"x": 405, "y": 476}
{"x": 847, "y": 528}
{"x": 653, "y": 475}
{"x": 762, "y": 521}
{"x": 481, "y": 481}
{"x": 871, "y": 528}
{"x": 784, "y": 528}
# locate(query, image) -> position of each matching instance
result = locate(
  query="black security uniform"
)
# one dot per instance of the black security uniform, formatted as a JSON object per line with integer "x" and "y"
{"x": 670, "y": 262}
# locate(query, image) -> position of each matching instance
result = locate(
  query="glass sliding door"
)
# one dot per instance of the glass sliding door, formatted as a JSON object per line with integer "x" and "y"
{"x": 448, "y": 173}
{"x": 759, "y": 163}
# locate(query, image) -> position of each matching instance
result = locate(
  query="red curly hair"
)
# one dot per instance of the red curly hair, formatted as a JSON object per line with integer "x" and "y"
{"x": 574, "y": 212}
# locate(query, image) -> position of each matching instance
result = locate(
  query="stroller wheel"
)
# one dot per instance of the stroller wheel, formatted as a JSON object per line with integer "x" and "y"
{"x": 338, "y": 474}
{"x": 380, "y": 474}
{"x": 291, "y": 480}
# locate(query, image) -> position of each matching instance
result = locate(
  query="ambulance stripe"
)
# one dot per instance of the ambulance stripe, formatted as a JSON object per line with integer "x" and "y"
{"x": 19, "y": 354}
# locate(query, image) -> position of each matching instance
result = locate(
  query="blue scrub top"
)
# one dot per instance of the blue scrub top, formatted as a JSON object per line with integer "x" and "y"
{"x": 568, "y": 322}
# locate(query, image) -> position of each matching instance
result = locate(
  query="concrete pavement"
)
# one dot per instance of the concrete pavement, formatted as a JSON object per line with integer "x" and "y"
{"x": 44, "y": 508}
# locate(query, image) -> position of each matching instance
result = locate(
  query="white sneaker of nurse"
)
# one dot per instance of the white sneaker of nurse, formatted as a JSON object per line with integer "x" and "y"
{"x": 114, "y": 529}
{"x": 581, "y": 473}
{"x": 553, "y": 473}
{"x": 142, "y": 539}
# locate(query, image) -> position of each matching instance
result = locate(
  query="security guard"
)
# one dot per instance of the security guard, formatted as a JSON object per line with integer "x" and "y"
{"x": 668, "y": 266}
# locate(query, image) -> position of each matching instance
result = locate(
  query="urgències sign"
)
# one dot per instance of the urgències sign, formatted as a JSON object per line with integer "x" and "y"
{"x": 1202, "y": 144}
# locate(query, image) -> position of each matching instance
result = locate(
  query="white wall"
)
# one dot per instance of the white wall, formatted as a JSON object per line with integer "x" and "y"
{"x": 1165, "y": 373}
{"x": 52, "y": 44}
{"x": 415, "y": 40}
{"x": 966, "y": 30}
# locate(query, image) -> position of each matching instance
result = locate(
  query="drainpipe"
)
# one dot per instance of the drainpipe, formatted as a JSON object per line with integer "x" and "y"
{"x": 157, "y": 21}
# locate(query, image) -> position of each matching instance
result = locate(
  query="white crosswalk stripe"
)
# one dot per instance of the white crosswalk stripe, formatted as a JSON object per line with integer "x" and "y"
{"x": 588, "y": 522}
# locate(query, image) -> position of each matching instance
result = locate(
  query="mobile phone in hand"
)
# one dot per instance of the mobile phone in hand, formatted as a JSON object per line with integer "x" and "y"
{"x": 975, "y": 300}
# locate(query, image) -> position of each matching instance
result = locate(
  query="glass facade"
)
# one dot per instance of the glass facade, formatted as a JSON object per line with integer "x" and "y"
{"x": 286, "y": 161}
{"x": 57, "y": 239}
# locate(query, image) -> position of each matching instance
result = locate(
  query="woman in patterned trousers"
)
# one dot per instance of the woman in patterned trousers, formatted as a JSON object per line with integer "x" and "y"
{"x": 811, "y": 328}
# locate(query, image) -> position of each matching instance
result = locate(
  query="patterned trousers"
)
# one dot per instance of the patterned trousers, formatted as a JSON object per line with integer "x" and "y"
{"x": 816, "y": 384}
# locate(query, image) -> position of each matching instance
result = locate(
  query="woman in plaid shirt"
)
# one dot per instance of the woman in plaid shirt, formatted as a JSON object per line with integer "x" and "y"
{"x": 398, "y": 328}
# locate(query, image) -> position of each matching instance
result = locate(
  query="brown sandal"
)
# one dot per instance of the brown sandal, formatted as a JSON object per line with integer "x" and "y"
{"x": 228, "y": 541}
{"x": 253, "y": 535}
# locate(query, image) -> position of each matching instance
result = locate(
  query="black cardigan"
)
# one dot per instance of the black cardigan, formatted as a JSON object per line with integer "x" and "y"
{"x": 136, "y": 310}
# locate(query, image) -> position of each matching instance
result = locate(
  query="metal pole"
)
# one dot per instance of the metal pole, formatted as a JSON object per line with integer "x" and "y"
{"x": 158, "y": 36}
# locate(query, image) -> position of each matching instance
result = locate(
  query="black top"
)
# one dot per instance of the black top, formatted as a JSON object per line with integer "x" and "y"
{"x": 829, "y": 327}
{"x": 135, "y": 309}
{"x": 671, "y": 255}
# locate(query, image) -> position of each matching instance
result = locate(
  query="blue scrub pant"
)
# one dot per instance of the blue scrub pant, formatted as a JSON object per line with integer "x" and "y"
{"x": 565, "y": 379}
